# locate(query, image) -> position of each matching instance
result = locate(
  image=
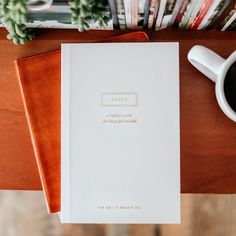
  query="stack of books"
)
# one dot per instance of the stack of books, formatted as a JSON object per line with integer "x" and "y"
{"x": 182, "y": 14}
{"x": 148, "y": 14}
{"x": 106, "y": 147}
{"x": 41, "y": 99}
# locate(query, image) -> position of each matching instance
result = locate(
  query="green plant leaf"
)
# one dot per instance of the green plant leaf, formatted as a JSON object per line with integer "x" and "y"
{"x": 14, "y": 17}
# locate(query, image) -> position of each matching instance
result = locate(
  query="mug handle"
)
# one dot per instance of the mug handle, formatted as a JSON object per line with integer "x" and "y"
{"x": 206, "y": 61}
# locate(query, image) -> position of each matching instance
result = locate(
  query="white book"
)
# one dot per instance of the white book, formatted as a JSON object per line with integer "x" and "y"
{"x": 128, "y": 17}
{"x": 160, "y": 14}
{"x": 209, "y": 14}
{"x": 120, "y": 143}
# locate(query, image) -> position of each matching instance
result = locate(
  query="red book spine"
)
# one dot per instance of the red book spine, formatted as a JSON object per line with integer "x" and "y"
{"x": 205, "y": 7}
{"x": 181, "y": 12}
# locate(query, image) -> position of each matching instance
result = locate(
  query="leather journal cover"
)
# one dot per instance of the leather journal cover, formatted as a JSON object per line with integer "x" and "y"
{"x": 40, "y": 79}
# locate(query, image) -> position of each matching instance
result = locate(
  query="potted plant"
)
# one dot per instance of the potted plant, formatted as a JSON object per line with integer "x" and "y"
{"x": 14, "y": 15}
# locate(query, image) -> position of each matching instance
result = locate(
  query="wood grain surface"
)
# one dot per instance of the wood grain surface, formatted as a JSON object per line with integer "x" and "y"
{"x": 208, "y": 137}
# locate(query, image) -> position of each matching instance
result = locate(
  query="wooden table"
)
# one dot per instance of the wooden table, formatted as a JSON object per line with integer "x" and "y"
{"x": 208, "y": 137}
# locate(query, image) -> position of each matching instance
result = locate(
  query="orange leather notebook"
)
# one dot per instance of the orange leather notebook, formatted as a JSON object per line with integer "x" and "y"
{"x": 40, "y": 79}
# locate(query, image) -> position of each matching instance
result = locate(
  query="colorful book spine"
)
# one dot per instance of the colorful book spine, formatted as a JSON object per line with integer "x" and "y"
{"x": 177, "y": 7}
{"x": 229, "y": 20}
{"x": 224, "y": 9}
{"x": 134, "y": 11}
{"x": 160, "y": 14}
{"x": 181, "y": 12}
{"x": 167, "y": 16}
{"x": 203, "y": 11}
{"x": 154, "y": 7}
{"x": 190, "y": 8}
{"x": 194, "y": 14}
{"x": 143, "y": 14}
{"x": 210, "y": 14}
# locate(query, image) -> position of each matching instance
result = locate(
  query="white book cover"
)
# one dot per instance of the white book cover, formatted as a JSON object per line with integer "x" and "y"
{"x": 120, "y": 143}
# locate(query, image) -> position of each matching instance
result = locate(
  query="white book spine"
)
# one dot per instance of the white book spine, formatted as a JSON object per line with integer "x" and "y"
{"x": 165, "y": 22}
{"x": 65, "y": 134}
{"x": 160, "y": 14}
{"x": 128, "y": 17}
{"x": 167, "y": 17}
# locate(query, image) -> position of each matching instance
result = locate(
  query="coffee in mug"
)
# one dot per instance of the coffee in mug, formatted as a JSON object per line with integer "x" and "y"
{"x": 230, "y": 86}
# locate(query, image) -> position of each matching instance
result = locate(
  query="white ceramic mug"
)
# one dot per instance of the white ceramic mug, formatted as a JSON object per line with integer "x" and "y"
{"x": 215, "y": 68}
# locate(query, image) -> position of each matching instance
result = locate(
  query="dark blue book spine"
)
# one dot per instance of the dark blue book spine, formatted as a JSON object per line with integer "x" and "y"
{"x": 146, "y": 14}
